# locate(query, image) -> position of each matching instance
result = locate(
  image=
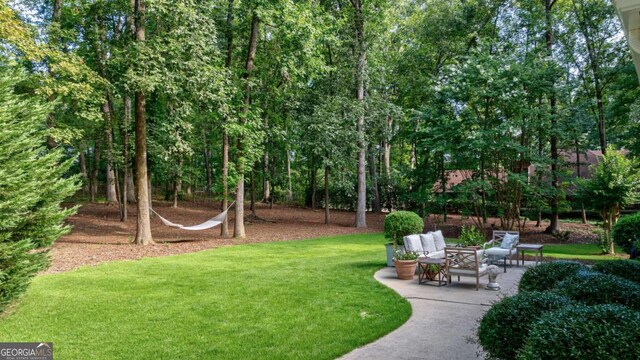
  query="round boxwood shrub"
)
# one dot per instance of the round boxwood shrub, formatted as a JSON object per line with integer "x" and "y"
{"x": 594, "y": 288}
{"x": 626, "y": 232}
{"x": 399, "y": 224}
{"x": 545, "y": 276}
{"x": 626, "y": 269}
{"x": 582, "y": 332}
{"x": 503, "y": 329}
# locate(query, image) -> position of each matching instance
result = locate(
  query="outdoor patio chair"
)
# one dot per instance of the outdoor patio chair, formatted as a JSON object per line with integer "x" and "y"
{"x": 465, "y": 262}
{"x": 504, "y": 245}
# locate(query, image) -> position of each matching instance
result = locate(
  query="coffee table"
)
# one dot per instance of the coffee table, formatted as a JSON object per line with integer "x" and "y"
{"x": 537, "y": 248}
{"x": 427, "y": 272}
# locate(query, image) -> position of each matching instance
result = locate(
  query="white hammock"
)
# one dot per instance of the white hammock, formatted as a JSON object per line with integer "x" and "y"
{"x": 213, "y": 222}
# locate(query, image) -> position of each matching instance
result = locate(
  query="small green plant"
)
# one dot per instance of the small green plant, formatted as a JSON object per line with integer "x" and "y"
{"x": 504, "y": 328}
{"x": 585, "y": 333}
{"x": 626, "y": 232}
{"x": 471, "y": 236}
{"x": 546, "y": 276}
{"x": 405, "y": 255}
{"x": 399, "y": 224}
{"x": 561, "y": 236}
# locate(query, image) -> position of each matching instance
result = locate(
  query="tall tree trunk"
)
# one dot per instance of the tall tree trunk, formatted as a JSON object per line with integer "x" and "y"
{"x": 361, "y": 63}
{"x": 387, "y": 162}
{"x": 177, "y": 186}
{"x": 238, "y": 230}
{"x": 266, "y": 184}
{"x": 126, "y": 186}
{"x": 289, "y": 189}
{"x": 143, "y": 230}
{"x": 112, "y": 198}
{"x": 94, "y": 172}
{"x": 327, "y": 219}
{"x": 374, "y": 181}
{"x": 579, "y": 175}
{"x": 224, "y": 228}
{"x": 83, "y": 171}
{"x": 555, "y": 184}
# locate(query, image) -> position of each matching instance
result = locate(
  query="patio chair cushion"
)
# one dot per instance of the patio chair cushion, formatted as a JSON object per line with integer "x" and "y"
{"x": 428, "y": 243}
{"x": 481, "y": 270}
{"x": 413, "y": 243}
{"x": 508, "y": 241}
{"x": 438, "y": 239}
{"x": 498, "y": 251}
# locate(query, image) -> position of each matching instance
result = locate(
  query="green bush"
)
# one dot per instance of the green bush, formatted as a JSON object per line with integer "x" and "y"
{"x": 504, "y": 328}
{"x": 585, "y": 332}
{"x": 627, "y": 231}
{"x": 626, "y": 269}
{"x": 399, "y": 224}
{"x": 32, "y": 186}
{"x": 471, "y": 236}
{"x": 594, "y": 288}
{"x": 545, "y": 276}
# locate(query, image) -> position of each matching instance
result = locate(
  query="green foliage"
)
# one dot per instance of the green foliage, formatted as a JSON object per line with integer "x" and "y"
{"x": 399, "y": 224}
{"x": 626, "y": 269}
{"x": 545, "y": 276}
{"x": 595, "y": 288}
{"x": 405, "y": 255}
{"x": 626, "y": 232}
{"x": 504, "y": 328}
{"x": 471, "y": 236}
{"x": 33, "y": 183}
{"x": 585, "y": 333}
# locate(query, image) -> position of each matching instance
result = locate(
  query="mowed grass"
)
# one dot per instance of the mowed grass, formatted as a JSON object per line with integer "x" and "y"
{"x": 588, "y": 252}
{"x": 310, "y": 299}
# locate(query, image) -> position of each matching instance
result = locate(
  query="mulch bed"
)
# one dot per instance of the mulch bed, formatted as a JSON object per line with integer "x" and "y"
{"x": 99, "y": 236}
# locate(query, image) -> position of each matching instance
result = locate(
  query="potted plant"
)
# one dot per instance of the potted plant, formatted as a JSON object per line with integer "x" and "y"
{"x": 397, "y": 225}
{"x": 406, "y": 263}
{"x": 471, "y": 236}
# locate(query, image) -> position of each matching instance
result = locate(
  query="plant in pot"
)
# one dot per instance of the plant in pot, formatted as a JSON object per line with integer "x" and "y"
{"x": 406, "y": 263}
{"x": 397, "y": 225}
{"x": 471, "y": 236}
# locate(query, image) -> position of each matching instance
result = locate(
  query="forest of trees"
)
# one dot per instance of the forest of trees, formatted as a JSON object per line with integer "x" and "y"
{"x": 362, "y": 105}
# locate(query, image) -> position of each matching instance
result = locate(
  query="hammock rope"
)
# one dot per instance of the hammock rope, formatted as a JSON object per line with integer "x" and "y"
{"x": 211, "y": 223}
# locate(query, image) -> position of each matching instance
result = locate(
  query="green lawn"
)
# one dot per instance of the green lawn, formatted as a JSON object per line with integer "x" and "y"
{"x": 311, "y": 299}
{"x": 588, "y": 252}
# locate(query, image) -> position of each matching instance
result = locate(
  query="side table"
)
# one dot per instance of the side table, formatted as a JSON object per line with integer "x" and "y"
{"x": 432, "y": 270}
{"x": 537, "y": 248}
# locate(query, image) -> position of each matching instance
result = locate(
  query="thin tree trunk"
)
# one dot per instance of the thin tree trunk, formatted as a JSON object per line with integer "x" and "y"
{"x": 224, "y": 228}
{"x": 143, "y": 193}
{"x": 94, "y": 172}
{"x": 327, "y": 219}
{"x": 361, "y": 63}
{"x": 314, "y": 187}
{"x": 126, "y": 186}
{"x": 387, "y": 162}
{"x": 553, "y": 203}
{"x": 83, "y": 171}
{"x": 112, "y": 198}
{"x": 266, "y": 184}
{"x": 374, "y": 181}
{"x": 289, "y": 188}
{"x": 239, "y": 231}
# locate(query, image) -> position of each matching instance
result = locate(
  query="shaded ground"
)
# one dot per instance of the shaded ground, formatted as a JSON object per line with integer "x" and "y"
{"x": 98, "y": 235}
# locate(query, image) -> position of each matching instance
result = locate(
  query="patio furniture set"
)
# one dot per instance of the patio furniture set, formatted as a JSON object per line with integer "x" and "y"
{"x": 438, "y": 261}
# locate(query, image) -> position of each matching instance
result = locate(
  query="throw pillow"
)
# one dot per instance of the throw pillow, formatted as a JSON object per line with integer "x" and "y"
{"x": 428, "y": 242}
{"x": 413, "y": 243}
{"x": 508, "y": 241}
{"x": 438, "y": 239}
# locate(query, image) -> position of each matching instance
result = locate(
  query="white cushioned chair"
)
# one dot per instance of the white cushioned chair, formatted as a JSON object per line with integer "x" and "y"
{"x": 465, "y": 262}
{"x": 503, "y": 244}
{"x": 430, "y": 245}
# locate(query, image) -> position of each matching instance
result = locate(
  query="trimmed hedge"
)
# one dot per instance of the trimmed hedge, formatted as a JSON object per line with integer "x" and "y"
{"x": 545, "y": 276}
{"x": 504, "y": 328}
{"x": 626, "y": 269}
{"x": 399, "y": 224}
{"x": 626, "y": 232}
{"x": 594, "y": 288}
{"x": 585, "y": 332}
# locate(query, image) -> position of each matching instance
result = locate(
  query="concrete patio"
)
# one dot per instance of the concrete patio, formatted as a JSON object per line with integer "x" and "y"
{"x": 443, "y": 321}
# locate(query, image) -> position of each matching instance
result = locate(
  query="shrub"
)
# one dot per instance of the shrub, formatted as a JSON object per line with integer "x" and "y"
{"x": 585, "y": 332}
{"x": 594, "y": 288}
{"x": 627, "y": 231}
{"x": 399, "y": 224}
{"x": 31, "y": 189}
{"x": 626, "y": 269}
{"x": 471, "y": 236}
{"x": 503, "y": 329}
{"x": 546, "y": 276}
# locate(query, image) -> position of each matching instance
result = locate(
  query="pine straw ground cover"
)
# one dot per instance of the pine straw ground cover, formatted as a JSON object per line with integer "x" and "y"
{"x": 308, "y": 299}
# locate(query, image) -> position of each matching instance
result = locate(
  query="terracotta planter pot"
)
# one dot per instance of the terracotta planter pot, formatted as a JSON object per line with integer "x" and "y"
{"x": 405, "y": 269}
